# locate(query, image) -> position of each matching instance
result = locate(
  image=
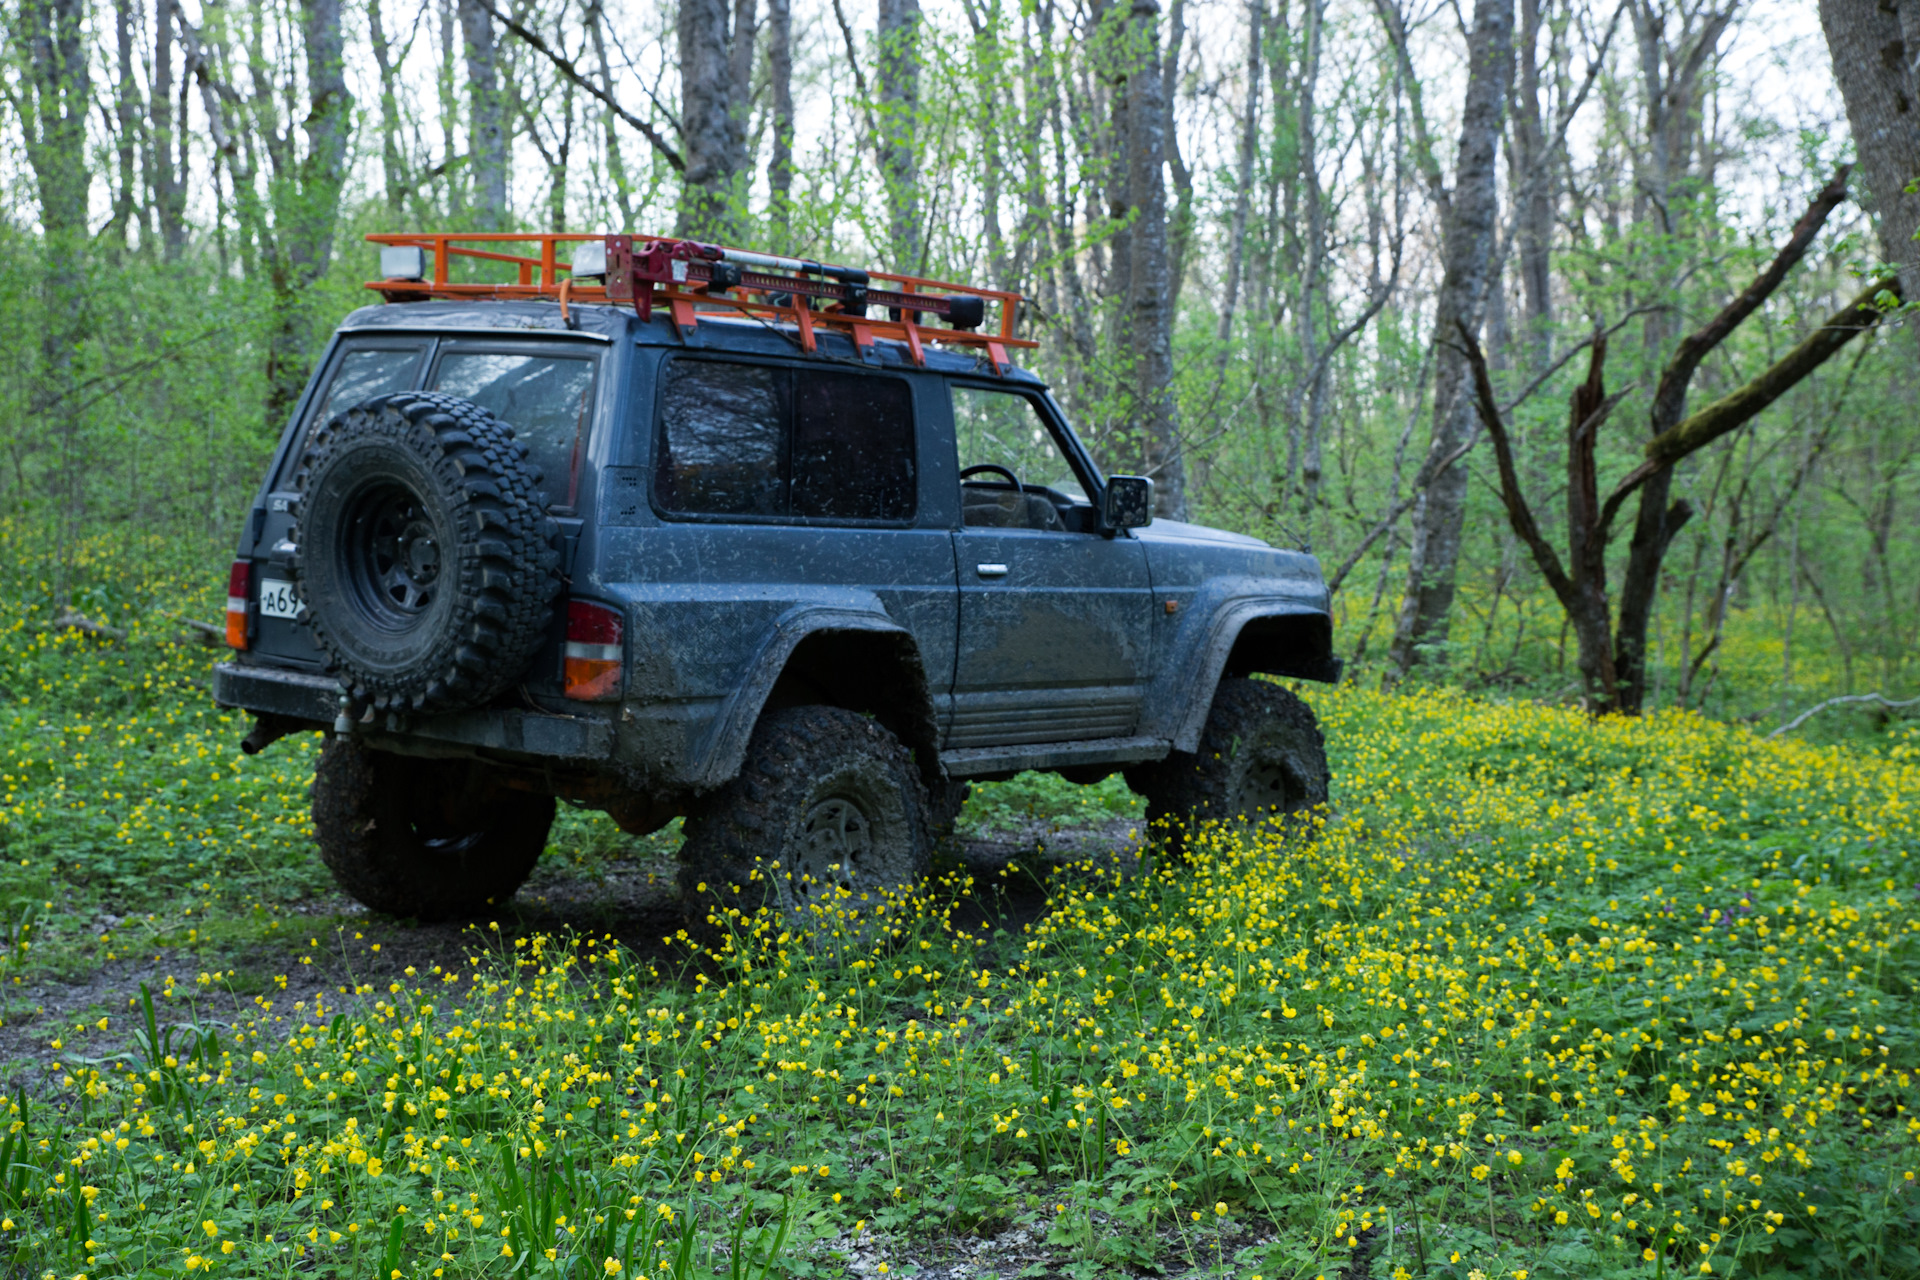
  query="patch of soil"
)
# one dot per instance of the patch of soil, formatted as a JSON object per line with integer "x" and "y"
{"x": 347, "y": 948}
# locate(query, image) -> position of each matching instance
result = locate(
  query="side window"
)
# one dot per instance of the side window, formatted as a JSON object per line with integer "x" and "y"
{"x": 722, "y": 445}
{"x": 852, "y": 447}
{"x": 546, "y": 399}
{"x": 769, "y": 442}
{"x": 1005, "y": 429}
{"x": 364, "y": 374}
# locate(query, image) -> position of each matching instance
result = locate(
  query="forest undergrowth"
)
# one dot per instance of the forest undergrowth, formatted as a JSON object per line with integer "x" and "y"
{"x": 1536, "y": 996}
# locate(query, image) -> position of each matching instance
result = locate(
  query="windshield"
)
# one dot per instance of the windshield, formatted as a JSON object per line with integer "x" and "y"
{"x": 1005, "y": 429}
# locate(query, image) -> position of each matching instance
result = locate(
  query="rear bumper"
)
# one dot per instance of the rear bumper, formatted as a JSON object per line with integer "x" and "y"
{"x": 316, "y": 699}
{"x": 282, "y": 693}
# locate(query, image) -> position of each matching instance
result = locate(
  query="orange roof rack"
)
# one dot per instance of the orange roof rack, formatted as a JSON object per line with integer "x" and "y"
{"x": 697, "y": 281}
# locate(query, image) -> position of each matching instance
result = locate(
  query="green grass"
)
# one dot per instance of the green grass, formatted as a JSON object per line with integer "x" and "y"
{"x": 1537, "y": 995}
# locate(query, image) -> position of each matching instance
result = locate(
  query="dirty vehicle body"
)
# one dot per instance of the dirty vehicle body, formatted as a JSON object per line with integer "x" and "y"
{"x": 799, "y": 597}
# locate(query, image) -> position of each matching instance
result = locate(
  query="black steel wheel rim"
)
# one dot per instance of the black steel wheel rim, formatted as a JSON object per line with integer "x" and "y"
{"x": 390, "y": 556}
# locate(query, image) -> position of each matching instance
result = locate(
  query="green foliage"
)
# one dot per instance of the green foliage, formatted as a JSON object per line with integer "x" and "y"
{"x": 1046, "y": 798}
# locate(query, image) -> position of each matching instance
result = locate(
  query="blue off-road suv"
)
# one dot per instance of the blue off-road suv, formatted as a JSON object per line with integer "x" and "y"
{"x": 791, "y": 550}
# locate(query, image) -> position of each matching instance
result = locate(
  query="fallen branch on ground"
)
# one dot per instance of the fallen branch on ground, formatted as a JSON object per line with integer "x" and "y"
{"x": 1810, "y": 712}
{"x": 71, "y": 620}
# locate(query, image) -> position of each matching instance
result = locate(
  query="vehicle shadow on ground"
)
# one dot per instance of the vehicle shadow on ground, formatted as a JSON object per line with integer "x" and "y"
{"x": 334, "y": 953}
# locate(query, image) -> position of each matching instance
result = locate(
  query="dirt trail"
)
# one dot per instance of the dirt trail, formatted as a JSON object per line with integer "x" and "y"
{"x": 633, "y": 903}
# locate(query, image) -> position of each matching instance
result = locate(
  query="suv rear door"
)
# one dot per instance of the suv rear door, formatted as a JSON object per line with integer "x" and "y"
{"x": 358, "y": 369}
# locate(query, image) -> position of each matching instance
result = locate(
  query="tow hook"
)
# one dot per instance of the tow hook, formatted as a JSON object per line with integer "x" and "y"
{"x": 268, "y": 729}
{"x": 350, "y": 714}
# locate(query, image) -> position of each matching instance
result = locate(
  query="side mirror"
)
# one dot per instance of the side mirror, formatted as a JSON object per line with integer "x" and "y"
{"x": 1128, "y": 503}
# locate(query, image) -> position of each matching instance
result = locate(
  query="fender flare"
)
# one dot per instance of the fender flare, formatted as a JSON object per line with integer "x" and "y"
{"x": 1178, "y": 704}
{"x": 726, "y": 744}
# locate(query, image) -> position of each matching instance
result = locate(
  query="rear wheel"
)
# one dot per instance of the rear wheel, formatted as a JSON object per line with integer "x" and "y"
{"x": 431, "y": 839}
{"x": 1261, "y": 753}
{"x": 826, "y": 820}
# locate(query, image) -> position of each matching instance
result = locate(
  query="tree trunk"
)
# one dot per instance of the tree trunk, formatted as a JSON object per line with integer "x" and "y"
{"x": 780, "y": 163}
{"x": 898, "y": 37}
{"x": 486, "y": 119}
{"x": 1467, "y": 252}
{"x": 1110, "y": 155}
{"x": 1670, "y": 75}
{"x": 166, "y": 154}
{"x": 1181, "y": 222}
{"x": 54, "y": 117}
{"x": 307, "y": 206}
{"x": 392, "y": 167}
{"x": 126, "y": 115}
{"x": 610, "y": 135}
{"x": 1149, "y": 303}
{"x": 1533, "y": 183}
{"x": 446, "y": 83}
{"x": 709, "y": 128}
{"x": 1875, "y": 46}
{"x": 1243, "y": 193}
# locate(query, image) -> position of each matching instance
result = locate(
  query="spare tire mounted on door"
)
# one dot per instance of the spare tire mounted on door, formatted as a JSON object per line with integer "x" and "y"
{"x": 425, "y": 559}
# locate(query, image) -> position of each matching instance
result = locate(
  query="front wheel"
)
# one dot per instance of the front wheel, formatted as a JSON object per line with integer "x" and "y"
{"x": 827, "y": 819}
{"x": 1261, "y": 753}
{"x": 430, "y": 839}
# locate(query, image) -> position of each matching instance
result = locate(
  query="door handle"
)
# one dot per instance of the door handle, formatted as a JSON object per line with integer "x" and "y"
{"x": 991, "y": 570}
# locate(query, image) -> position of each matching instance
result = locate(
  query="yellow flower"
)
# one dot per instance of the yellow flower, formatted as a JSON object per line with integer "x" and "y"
{"x": 611, "y": 1266}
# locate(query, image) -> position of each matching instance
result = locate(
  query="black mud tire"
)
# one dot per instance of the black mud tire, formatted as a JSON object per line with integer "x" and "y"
{"x": 825, "y": 799}
{"x": 425, "y": 839}
{"x": 424, "y": 564}
{"x": 1261, "y": 754}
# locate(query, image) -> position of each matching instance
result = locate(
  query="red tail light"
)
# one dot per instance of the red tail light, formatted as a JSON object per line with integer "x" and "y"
{"x": 593, "y": 650}
{"x": 238, "y": 579}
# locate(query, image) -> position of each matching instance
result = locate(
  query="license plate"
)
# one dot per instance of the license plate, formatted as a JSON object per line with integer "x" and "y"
{"x": 277, "y": 599}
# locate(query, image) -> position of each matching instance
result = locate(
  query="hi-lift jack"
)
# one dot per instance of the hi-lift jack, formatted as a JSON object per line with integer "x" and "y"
{"x": 696, "y": 282}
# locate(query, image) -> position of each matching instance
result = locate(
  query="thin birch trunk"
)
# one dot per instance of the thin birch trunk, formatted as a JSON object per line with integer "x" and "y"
{"x": 166, "y": 174}
{"x": 898, "y": 70}
{"x": 780, "y": 78}
{"x": 487, "y": 138}
{"x": 1468, "y": 251}
{"x": 1243, "y": 193}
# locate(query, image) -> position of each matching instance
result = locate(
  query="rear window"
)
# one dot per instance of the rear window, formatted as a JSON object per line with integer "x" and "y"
{"x": 546, "y": 399}
{"x": 766, "y": 442}
{"x": 364, "y": 373}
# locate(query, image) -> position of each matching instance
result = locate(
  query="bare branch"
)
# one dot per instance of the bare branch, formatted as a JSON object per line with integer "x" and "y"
{"x": 1678, "y": 375}
{"x": 1519, "y": 514}
{"x": 1396, "y": 26}
{"x": 1575, "y": 350}
{"x": 566, "y": 68}
{"x": 1734, "y": 410}
{"x": 1424, "y": 477}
